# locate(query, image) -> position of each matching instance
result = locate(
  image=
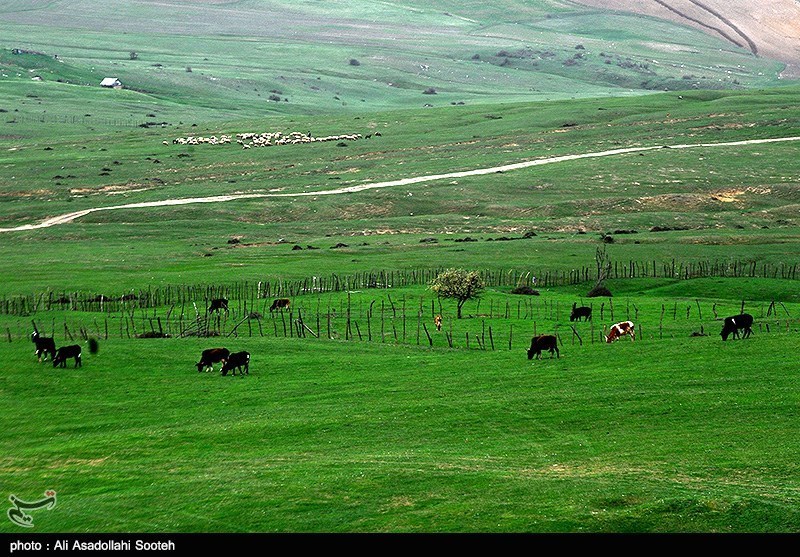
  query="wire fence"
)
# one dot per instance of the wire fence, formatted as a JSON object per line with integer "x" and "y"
{"x": 255, "y": 294}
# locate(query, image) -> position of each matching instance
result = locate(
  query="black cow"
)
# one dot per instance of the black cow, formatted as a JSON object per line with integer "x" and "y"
{"x": 279, "y": 304}
{"x": 237, "y": 360}
{"x": 577, "y": 313}
{"x": 211, "y": 356}
{"x": 44, "y": 346}
{"x": 736, "y": 322}
{"x": 218, "y": 304}
{"x": 542, "y": 343}
{"x": 72, "y": 351}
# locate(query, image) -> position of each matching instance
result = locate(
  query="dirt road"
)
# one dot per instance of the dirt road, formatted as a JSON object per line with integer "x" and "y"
{"x": 69, "y": 217}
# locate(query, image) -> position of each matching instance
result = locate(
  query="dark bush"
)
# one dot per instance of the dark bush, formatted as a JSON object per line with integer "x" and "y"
{"x": 525, "y": 290}
{"x": 599, "y": 292}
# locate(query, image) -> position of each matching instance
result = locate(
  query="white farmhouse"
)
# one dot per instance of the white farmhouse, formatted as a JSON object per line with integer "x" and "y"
{"x": 111, "y": 82}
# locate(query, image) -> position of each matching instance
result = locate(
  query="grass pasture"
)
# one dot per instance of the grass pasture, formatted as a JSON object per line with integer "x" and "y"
{"x": 409, "y": 439}
{"x": 356, "y": 423}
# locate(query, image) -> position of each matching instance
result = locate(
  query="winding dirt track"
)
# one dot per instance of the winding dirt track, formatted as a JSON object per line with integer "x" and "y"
{"x": 69, "y": 217}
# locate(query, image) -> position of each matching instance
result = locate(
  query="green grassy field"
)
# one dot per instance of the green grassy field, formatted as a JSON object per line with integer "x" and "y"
{"x": 321, "y": 438}
{"x": 369, "y": 427}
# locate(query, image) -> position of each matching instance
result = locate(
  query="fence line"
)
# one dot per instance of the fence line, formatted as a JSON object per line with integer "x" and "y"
{"x": 254, "y": 294}
{"x": 356, "y": 321}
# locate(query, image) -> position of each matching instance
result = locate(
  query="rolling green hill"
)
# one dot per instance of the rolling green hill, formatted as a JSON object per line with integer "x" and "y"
{"x": 219, "y": 59}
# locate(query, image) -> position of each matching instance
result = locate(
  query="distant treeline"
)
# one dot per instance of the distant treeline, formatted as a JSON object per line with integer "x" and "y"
{"x": 250, "y": 291}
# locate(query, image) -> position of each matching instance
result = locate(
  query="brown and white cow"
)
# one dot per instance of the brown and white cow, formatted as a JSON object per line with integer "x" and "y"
{"x": 438, "y": 322}
{"x": 619, "y": 330}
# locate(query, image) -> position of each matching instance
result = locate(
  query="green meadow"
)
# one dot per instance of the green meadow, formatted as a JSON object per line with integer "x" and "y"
{"x": 357, "y": 415}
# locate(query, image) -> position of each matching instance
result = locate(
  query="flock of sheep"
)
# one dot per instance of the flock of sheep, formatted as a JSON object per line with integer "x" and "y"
{"x": 266, "y": 139}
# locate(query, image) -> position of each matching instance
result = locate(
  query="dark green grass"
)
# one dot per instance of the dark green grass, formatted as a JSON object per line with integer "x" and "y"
{"x": 408, "y": 439}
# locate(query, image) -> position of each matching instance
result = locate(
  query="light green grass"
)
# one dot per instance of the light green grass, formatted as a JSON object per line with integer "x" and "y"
{"x": 239, "y": 54}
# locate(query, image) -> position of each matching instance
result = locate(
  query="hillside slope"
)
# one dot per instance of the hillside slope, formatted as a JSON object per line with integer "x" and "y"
{"x": 769, "y": 28}
{"x": 261, "y": 57}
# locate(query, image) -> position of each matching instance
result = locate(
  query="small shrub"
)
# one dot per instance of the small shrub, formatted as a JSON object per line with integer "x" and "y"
{"x": 525, "y": 290}
{"x": 599, "y": 292}
{"x": 354, "y": 62}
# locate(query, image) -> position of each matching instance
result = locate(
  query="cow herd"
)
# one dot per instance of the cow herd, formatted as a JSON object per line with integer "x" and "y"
{"x": 240, "y": 361}
{"x": 541, "y": 343}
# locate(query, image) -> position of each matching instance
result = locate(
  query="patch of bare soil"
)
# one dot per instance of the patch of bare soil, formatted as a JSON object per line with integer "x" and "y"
{"x": 111, "y": 190}
{"x": 27, "y": 193}
{"x": 769, "y": 28}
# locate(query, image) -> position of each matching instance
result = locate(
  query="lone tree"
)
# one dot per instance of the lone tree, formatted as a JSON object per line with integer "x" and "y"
{"x": 459, "y": 284}
{"x": 603, "y": 262}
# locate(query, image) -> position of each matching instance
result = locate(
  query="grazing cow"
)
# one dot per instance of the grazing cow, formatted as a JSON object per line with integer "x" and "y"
{"x": 619, "y": 330}
{"x": 438, "y": 322}
{"x": 237, "y": 360}
{"x": 218, "y": 304}
{"x": 44, "y": 345}
{"x": 734, "y": 323}
{"x": 211, "y": 356}
{"x": 541, "y": 343}
{"x": 73, "y": 351}
{"x": 280, "y": 303}
{"x": 577, "y": 313}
